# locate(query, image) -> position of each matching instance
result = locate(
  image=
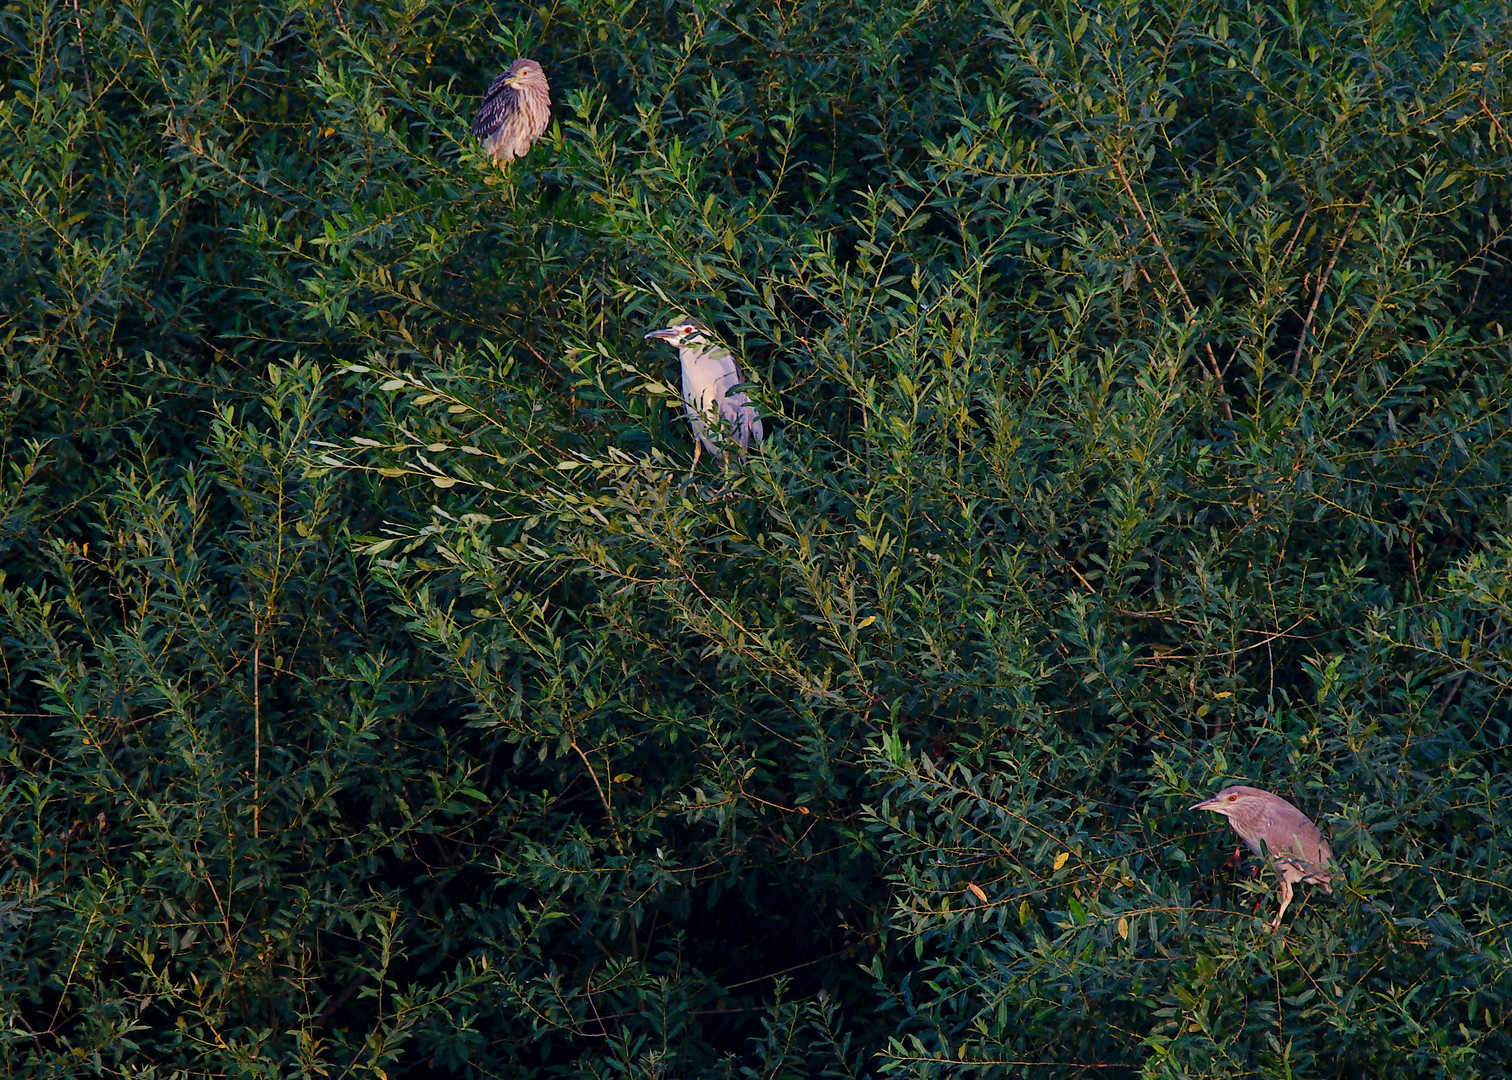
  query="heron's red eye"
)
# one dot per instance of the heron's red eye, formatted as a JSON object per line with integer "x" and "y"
{"x": 1233, "y": 798}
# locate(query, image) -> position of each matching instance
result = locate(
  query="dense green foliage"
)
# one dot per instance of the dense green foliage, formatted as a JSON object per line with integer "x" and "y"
{"x": 384, "y": 696}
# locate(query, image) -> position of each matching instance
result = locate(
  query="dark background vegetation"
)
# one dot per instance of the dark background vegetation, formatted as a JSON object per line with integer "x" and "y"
{"x": 382, "y": 699}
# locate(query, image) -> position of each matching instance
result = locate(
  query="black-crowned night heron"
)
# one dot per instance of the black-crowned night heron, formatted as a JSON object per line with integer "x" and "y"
{"x": 1271, "y": 825}
{"x": 515, "y": 110}
{"x": 719, "y": 414}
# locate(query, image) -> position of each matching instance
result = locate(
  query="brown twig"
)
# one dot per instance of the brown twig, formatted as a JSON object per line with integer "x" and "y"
{"x": 1295, "y": 233}
{"x": 608, "y": 809}
{"x": 1212, "y": 365}
{"x": 1318, "y": 292}
{"x": 1492, "y": 116}
{"x": 84, "y": 60}
{"x": 256, "y": 739}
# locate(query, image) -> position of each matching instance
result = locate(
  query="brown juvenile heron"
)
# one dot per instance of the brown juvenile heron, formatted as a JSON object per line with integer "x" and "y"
{"x": 718, "y": 414}
{"x": 1272, "y": 826}
{"x": 515, "y": 110}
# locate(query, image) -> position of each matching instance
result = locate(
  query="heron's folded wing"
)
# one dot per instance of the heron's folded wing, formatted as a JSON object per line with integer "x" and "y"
{"x": 498, "y": 105}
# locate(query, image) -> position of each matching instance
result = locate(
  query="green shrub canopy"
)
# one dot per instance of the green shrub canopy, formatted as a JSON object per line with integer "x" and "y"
{"x": 385, "y": 697}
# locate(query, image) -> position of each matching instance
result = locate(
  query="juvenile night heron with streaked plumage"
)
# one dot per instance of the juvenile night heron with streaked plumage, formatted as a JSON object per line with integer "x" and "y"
{"x": 1275, "y": 829}
{"x": 722, "y": 417}
{"x": 515, "y": 110}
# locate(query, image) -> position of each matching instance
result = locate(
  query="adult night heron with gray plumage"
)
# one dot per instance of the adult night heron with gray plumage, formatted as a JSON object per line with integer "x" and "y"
{"x": 515, "y": 110}
{"x": 719, "y": 414}
{"x": 1273, "y": 827}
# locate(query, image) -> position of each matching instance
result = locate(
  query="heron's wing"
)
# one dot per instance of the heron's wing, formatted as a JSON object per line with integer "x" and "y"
{"x": 735, "y": 406}
{"x": 1299, "y": 845}
{"x": 709, "y": 376}
{"x": 736, "y": 410}
{"x": 499, "y": 104}
{"x": 1315, "y": 858}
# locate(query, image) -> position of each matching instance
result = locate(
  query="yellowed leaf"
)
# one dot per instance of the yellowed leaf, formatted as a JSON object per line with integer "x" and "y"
{"x": 1123, "y": 929}
{"x": 1060, "y": 860}
{"x": 977, "y": 892}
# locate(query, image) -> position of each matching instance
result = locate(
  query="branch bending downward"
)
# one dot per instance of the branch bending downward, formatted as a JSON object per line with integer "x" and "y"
{"x": 1212, "y": 364}
{"x": 603, "y": 798}
{"x": 1318, "y": 292}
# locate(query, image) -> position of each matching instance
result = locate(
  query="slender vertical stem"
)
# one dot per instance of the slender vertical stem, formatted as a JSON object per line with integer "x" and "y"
{"x": 256, "y": 729}
{"x": 603, "y": 797}
{"x": 1213, "y": 369}
{"x": 1318, "y": 293}
{"x": 84, "y": 60}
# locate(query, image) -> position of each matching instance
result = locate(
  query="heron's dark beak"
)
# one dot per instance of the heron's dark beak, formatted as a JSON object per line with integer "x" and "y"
{"x": 666, "y": 334}
{"x": 1205, "y": 804}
